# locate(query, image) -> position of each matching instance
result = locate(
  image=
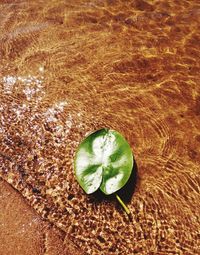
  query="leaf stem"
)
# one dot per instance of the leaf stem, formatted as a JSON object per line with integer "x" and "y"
{"x": 123, "y": 205}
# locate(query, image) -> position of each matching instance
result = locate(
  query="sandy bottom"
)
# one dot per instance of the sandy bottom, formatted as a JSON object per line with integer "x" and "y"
{"x": 70, "y": 67}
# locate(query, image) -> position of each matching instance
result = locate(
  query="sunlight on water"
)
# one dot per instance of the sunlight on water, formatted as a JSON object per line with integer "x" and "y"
{"x": 70, "y": 67}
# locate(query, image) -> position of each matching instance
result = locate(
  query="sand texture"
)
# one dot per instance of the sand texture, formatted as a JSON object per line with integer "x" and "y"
{"x": 70, "y": 67}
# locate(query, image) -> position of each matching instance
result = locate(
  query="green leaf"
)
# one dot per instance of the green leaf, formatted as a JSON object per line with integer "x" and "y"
{"x": 103, "y": 160}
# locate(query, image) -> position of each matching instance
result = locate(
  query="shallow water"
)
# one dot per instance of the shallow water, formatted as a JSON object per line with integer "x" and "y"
{"x": 69, "y": 67}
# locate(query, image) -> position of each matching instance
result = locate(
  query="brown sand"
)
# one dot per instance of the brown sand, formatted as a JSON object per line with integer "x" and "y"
{"x": 23, "y": 232}
{"x": 69, "y": 67}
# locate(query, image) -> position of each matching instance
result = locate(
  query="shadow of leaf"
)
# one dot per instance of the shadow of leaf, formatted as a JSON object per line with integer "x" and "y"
{"x": 127, "y": 191}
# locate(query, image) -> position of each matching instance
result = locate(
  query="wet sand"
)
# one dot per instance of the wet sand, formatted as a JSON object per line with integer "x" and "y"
{"x": 70, "y": 67}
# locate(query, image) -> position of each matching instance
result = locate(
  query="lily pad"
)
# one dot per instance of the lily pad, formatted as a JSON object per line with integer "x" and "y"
{"x": 103, "y": 160}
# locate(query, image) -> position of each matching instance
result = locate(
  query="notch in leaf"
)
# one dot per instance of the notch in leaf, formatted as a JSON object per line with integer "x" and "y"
{"x": 104, "y": 160}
